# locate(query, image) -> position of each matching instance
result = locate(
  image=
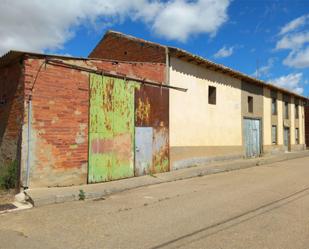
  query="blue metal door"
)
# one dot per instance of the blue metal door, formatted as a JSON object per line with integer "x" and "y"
{"x": 286, "y": 138}
{"x": 252, "y": 137}
{"x": 143, "y": 150}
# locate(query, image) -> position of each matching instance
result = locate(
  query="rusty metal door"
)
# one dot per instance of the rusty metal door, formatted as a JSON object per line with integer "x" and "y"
{"x": 111, "y": 129}
{"x": 143, "y": 150}
{"x": 160, "y": 150}
{"x": 151, "y": 110}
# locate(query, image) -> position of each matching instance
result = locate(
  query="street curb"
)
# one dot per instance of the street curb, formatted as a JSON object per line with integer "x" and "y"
{"x": 19, "y": 206}
{"x": 46, "y": 196}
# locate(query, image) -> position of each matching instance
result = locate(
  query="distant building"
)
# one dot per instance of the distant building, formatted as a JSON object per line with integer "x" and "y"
{"x": 124, "y": 112}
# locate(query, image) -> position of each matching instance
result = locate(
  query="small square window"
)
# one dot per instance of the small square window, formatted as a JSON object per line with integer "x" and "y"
{"x": 212, "y": 98}
{"x": 250, "y": 104}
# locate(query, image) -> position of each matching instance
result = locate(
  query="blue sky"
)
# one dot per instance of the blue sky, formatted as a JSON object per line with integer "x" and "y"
{"x": 271, "y": 36}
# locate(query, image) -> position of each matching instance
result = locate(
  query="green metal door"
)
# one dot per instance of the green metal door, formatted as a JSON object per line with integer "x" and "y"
{"x": 111, "y": 129}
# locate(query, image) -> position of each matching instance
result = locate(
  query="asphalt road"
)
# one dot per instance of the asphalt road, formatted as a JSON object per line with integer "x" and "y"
{"x": 260, "y": 207}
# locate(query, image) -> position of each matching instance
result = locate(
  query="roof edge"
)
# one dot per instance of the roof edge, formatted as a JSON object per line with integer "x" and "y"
{"x": 214, "y": 66}
{"x": 182, "y": 54}
{"x": 125, "y": 36}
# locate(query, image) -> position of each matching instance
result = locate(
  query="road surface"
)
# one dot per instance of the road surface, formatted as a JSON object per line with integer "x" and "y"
{"x": 261, "y": 207}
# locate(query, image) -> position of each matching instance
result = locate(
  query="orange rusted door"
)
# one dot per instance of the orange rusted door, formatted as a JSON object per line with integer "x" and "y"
{"x": 111, "y": 129}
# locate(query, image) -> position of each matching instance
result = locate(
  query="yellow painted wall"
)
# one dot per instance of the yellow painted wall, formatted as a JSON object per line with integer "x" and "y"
{"x": 280, "y": 118}
{"x": 301, "y": 124}
{"x": 266, "y": 117}
{"x": 194, "y": 122}
{"x": 292, "y": 118}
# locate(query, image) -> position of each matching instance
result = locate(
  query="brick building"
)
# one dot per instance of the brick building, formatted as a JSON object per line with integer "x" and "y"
{"x": 56, "y": 94}
{"x": 225, "y": 114}
{"x": 124, "y": 111}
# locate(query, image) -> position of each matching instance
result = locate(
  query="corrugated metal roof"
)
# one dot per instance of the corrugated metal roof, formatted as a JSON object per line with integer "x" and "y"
{"x": 187, "y": 56}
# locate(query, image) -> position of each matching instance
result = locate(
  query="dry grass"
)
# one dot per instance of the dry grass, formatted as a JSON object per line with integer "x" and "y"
{"x": 7, "y": 196}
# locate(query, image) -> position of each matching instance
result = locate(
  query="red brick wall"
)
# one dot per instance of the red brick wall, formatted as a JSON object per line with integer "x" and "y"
{"x": 60, "y": 102}
{"x": 59, "y": 125}
{"x": 148, "y": 71}
{"x": 11, "y": 90}
{"x": 118, "y": 47}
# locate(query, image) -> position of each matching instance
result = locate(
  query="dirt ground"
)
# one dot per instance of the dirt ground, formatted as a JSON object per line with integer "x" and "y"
{"x": 6, "y": 196}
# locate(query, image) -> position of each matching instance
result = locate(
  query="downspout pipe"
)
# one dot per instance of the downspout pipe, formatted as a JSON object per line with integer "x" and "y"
{"x": 28, "y": 166}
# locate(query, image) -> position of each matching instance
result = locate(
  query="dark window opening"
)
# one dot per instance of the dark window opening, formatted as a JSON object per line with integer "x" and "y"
{"x": 212, "y": 99}
{"x": 297, "y": 136}
{"x": 286, "y": 110}
{"x": 274, "y": 134}
{"x": 3, "y": 100}
{"x": 274, "y": 106}
{"x": 296, "y": 111}
{"x": 250, "y": 104}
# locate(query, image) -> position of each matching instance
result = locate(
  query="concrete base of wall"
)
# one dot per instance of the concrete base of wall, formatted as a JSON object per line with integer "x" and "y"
{"x": 45, "y": 196}
{"x": 298, "y": 147}
{"x": 277, "y": 149}
{"x": 183, "y": 157}
{"x": 273, "y": 149}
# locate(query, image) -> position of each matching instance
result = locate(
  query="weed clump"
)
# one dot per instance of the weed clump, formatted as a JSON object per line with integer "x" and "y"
{"x": 8, "y": 175}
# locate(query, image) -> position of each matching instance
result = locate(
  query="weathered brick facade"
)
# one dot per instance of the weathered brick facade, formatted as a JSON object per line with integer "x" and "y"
{"x": 59, "y": 120}
{"x": 11, "y": 111}
{"x": 118, "y": 47}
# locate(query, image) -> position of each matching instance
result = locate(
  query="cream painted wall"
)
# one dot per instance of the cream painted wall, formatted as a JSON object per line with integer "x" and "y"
{"x": 280, "y": 118}
{"x": 292, "y": 118}
{"x": 194, "y": 122}
{"x": 301, "y": 124}
{"x": 266, "y": 117}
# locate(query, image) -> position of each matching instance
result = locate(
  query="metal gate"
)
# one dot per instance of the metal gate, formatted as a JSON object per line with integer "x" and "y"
{"x": 252, "y": 137}
{"x": 111, "y": 129}
{"x": 286, "y": 138}
{"x": 143, "y": 150}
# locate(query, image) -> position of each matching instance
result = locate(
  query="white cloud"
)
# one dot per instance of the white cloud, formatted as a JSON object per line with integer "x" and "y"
{"x": 37, "y": 25}
{"x": 296, "y": 41}
{"x": 224, "y": 52}
{"x": 293, "y": 41}
{"x": 264, "y": 70}
{"x": 299, "y": 59}
{"x": 180, "y": 19}
{"x": 294, "y": 24}
{"x": 291, "y": 82}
